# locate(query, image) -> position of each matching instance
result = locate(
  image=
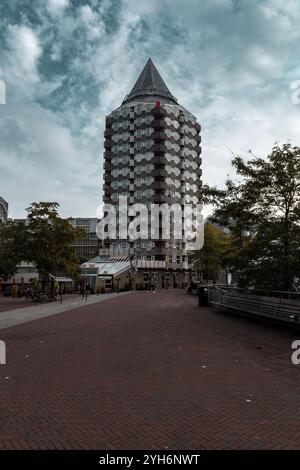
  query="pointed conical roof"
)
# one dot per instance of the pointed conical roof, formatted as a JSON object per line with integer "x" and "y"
{"x": 150, "y": 85}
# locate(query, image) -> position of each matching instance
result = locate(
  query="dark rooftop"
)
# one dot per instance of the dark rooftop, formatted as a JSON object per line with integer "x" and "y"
{"x": 150, "y": 86}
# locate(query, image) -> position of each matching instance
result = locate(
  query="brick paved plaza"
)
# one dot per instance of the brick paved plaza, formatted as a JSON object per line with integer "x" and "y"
{"x": 9, "y": 303}
{"x": 148, "y": 371}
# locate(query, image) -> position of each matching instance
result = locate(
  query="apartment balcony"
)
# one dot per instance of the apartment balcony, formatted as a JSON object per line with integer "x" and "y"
{"x": 178, "y": 266}
{"x": 159, "y": 185}
{"x": 148, "y": 264}
{"x": 159, "y": 264}
{"x": 107, "y": 189}
{"x": 158, "y": 124}
{"x": 159, "y": 160}
{"x": 159, "y": 148}
{"x": 108, "y": 178}
{"x": 160, "y": 136}
{"x": 107, "y": 166}
{"x": 108, "y": 132}
{"x": 159, "y": 112}
{"x": 160, "y": 250}
{"x": 157, "y": 172}
{"x": 107, "y": 144}
{"x": 160, "y": 198}
{"x": 115, "y": 251}
{"x": 108, "y": 154}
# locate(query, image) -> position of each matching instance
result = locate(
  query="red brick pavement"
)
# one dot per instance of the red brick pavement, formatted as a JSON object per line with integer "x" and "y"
{"x": 148, "y": 371}
{"x": 9, "y": 303}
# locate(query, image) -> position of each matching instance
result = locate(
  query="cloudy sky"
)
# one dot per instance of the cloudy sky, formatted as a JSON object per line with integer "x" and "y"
{"x": 68, "y": 63}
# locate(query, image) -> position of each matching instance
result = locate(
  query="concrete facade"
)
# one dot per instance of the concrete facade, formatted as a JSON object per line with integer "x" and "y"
{"x": 152, "y": 155}
{"x": 3, "y": 211}
{"x": 86, "y": 247}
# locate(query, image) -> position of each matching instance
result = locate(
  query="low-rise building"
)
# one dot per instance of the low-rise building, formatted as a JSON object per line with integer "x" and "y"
{"x": 25, "y": 275}
{"x": 107, "y": 274}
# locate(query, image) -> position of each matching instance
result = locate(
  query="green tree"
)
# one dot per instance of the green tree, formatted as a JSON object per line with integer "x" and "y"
{"x": 273, "y": 187}
{"x": 231, "y": 210}
{"x": 262, "y": 212}
{"x": 13, "y": 238}
{"x": 214, "y": 254}
{"x": 49, "y": 240}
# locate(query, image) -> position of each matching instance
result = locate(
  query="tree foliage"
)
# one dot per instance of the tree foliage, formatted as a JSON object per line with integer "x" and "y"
{"x": 262, "y": 213}
{"x": 212, "y": 257}
{"x": 45, "y": 241}
{"x": 12, "y": 242}
{"x": 49, "y": 240}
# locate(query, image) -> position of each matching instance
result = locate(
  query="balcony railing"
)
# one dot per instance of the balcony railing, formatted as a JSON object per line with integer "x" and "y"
{"x": 149, "y": 264}
{"x": 115, "y": 251}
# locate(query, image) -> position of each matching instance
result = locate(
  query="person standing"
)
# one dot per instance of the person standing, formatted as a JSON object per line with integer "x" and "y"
{"x": 87, "y": 291}
{"x": 152, "y": 284}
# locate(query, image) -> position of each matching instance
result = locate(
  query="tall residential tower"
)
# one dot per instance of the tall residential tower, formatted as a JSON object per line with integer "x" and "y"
{"x": 152, "y": 155}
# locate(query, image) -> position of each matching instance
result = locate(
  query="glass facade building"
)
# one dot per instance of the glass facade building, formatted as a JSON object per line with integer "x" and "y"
{"x": 86, "y": 247}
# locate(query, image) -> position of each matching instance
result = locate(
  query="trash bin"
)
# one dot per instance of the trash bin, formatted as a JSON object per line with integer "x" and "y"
{"x": 202, "y": 296}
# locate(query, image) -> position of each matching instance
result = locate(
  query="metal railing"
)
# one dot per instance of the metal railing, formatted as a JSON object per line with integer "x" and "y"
{"x": 279, "y": 305}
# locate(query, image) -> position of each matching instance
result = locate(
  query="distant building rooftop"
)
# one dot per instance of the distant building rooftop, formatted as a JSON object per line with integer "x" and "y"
{"x": 111, "y": 266}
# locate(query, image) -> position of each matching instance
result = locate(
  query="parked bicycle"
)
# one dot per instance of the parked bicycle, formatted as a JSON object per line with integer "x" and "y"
{"x": 40, "y": 297}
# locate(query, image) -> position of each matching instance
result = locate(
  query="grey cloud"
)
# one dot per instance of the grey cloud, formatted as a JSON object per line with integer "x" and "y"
{"x": 229, "y": 61}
